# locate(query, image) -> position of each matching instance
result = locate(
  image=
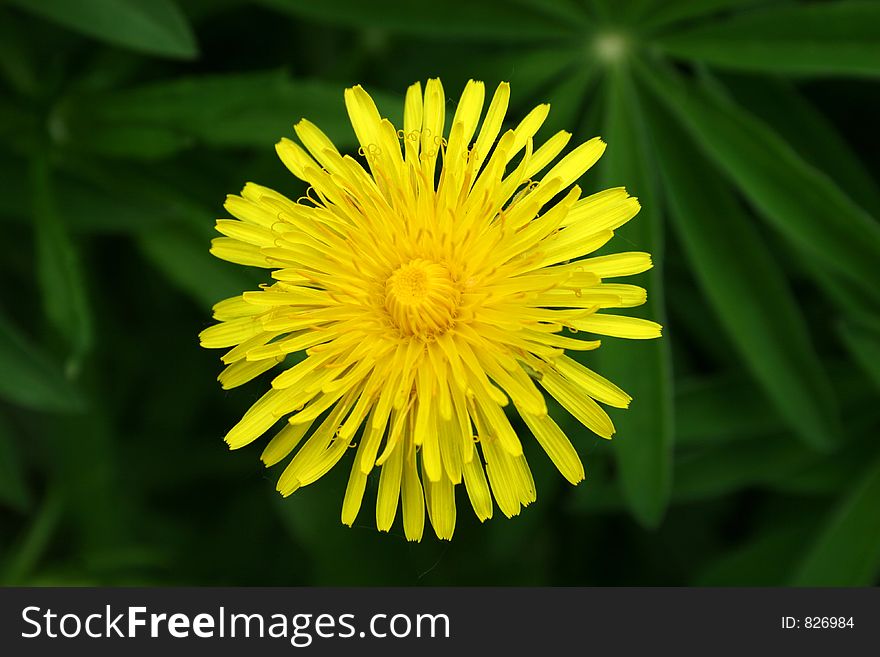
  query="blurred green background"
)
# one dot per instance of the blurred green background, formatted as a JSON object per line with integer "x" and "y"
{"x": 748, "y": 129}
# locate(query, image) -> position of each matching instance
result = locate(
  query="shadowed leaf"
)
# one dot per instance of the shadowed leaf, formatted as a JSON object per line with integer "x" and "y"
{"x": 745, "y": 286}
{"x": 834, "y": 38}
{"x": 863, "y": 341}
{"x": 756, "y": 563}
{"x": 643, "y": 443}
{"x": 659, "y": 13}
{"x": 156, "y": 27}
{"x": 847, "y": 551}
{"x": 182, "y": 256}
{"x": 59, "y": 269}
{"x": 796, "y": 198}
{"x": 30, "y": 378}
{"x": 462, "y": 19}
{"x": 809, "y": 132}
{"x": 14, "y": 491}
{"x": 235, "y": 110}
{"x": 729, "y": 407}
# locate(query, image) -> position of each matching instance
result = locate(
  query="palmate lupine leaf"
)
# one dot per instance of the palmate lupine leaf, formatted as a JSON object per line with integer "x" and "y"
{"x": 427, "y": 18}
{"x": 745, "y": 286}
{"x": 762, "y": 561}
{"x": 847, "y": 550}
{"x": 156, "y": 27}
{"x": 126, "y": 141}
{"x": 645, "y": 432}
{"x": 312, "y": 519}
{"x": 658, "y": 13}
{"x": 863, "y": 342}
{"x": 84, "y": 453}
{"x": 530, "y": 71}
{"x": 14, "y": 491}
{"x": 817, "y": 141}
{"x": 30, "y": 377}
{"x": 162, "y": 118}
{"x": 567, "y": 10}
{"x": 694, "y": 327}
{"x": 571, "y": 101}
{"x": 812, "y": 135}
{"x": 179, "y": 254}
{"x": 729, "y": 407}
{"x": 171, "y": 229}
{"x": 724, "y": 470}
{"x": 719, "y": 409}
{"x": 833, "y": 38}
{"x": 27, "y": 551}
{"x": 775, "y": 462}
{"x": 16, "y": 69}
{"x": 59, "y": 270}
{"x": 833, "y": 475}
{"x": 800, "y": 201}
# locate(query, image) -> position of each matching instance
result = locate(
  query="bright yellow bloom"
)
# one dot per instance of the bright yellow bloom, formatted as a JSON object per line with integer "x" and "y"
{"x": 426, "y": 303}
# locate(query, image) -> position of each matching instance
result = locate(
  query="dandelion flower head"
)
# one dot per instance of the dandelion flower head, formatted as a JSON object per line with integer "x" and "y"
{"x": 432, "y": 288}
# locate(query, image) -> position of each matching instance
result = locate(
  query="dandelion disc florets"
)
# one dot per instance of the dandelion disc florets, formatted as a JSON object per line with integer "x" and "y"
{"x": 422, "y": 299}
{"x": 431, "y": 305}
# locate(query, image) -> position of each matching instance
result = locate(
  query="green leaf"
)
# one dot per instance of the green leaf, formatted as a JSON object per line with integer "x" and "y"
{"x": 151, "y": 26}
{"x": 722, "y": 470}
{"x": 100, "y": 199}
{"x": 728, "y": 407}
{"x": 569, "y": 101}
{"x": 776, "y": 462}
{"x": 745, "y": 286}
{"x": 696, "y": 331}
{"x": 30, "y": 378}
{"x": 17, "y": 67}
{"x": 173, "y": 230}
{"x": 568, "y": 10}
{"x": 83, "y": 453}
{"x": 719, "y": 409}
{"x": 91, "y": 209}
{"x": 133, "y": 142}
{"x": 809, "y": 132}
{"x": 311, "y": 516}
{"x": 833, "y": 474}
{"x": 756, "y": 563}
{"x": 58, "y": 268}
{"x": 834, "y": 38}
{"x": 817, "y": 141}
{"x": 643, "y": 443}
{"x": 847, "y": 551}
{"x": 451, "y": 19}
{"x": 237, "y": 110}
{"x": 163, "y": 195}
{"x": 800, "y": 201}
{"x": 863, "y": 341}
{"x": 182, "y": 256}
{"x": 530, "y": 72}
{"x": 14, "y": 491}
{"x": 30, "y": 548}
{"x": 659, "y": 13}
{"x": 16, "y": 122}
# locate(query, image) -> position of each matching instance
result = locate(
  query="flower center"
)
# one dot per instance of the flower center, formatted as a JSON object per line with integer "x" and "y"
{"x": 611, "y": 47}
{"x": 421, "y": 298}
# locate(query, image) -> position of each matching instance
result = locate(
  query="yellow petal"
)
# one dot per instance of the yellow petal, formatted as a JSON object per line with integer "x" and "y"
{"x": 619, "y": 326}
{"x": 557, "y": 446}
{"x": 575, "y": 164}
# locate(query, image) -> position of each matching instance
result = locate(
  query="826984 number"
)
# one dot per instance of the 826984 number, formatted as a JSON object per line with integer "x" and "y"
{"x": 818, "y": 622}
{"x": 825, "y": 622}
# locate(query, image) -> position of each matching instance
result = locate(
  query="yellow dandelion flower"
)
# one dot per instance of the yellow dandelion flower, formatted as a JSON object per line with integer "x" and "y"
{"x": 426, "y": 302}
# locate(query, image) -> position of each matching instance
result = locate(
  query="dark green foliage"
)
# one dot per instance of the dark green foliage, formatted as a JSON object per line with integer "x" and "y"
{"x": 750, "y": 453}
